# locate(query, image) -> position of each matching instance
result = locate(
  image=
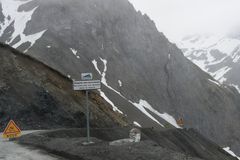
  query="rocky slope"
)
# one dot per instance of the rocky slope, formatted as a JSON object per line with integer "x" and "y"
{"x": 143, "y": 74}
{"x": 37, "y": 97}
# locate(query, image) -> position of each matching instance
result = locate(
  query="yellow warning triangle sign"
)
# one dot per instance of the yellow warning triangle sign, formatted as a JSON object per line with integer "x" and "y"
{"x": 12, "y": 130}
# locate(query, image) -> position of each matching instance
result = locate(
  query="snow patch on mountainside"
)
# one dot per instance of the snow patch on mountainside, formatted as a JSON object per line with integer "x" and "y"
{"x": 219, "y": 74}
{"x": 30, "y": 38}
{"x": 104, "y": 82}
{"x": 102, "y": 94}
{"x": 200, "y": 63}
{"x": 235, "y": 86}
{"x": 103, "y": 75}
{"x": 120, "y": 83}
{"x": 215, "y": 82}
{"x": 216, "y": 55}
{"x": 74, "y": 51}
{"x": 143, "y": 106}
{"x": 227, "y": 149}
{"x": 137, "y": 124}
{"x": 18, "y": 20}
{"x": 96, "y": 66}
{"x": 170, "y": 119}
{"x": 236, "y": 56}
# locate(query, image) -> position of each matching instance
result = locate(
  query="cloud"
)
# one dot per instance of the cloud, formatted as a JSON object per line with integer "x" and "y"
{"x": 177, "y": 18}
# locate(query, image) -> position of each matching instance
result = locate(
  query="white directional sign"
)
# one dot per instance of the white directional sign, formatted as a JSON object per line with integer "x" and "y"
{"x": 86, "y": 85}
{"x": 86, "y": 76}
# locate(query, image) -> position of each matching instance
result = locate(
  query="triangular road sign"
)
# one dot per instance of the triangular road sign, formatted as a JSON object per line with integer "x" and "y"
{"x": 12, "y": 130}
{"x": 180, "y": 122}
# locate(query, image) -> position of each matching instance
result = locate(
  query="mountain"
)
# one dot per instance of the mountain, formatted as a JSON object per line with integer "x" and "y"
{"x": 217, "y": 55}
{"x": 144, "y": 77}
{"x": 38, "y": 97}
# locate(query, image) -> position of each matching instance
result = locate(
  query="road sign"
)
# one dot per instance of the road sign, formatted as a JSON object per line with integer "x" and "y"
{"x": 12, "y": 130}
{"x": 180, "y": 122}
{"x": 86, "y": 85}
{"x": 86, "y": 76}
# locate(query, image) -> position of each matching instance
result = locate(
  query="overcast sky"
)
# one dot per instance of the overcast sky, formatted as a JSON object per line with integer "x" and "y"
{"x": 177, "y": 18}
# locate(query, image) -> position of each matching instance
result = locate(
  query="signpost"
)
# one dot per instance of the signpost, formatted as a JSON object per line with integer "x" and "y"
{"x": 11, "y": 131}
{"x": 180, "y": 122}
{"x": 87, "y": 84}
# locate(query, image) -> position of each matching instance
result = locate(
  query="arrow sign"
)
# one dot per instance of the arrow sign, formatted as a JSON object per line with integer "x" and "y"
{"x": 86, "y": 76}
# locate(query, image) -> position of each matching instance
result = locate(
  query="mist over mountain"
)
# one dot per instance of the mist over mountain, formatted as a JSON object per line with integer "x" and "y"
{"x": 178, "y": 19}
{"x": 143, "y": 75}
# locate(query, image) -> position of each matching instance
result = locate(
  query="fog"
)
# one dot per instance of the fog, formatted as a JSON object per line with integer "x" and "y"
{"x": 177, "y": 18}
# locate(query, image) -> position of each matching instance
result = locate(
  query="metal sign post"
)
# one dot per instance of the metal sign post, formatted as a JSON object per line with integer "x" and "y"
{"x": 88, "y": 125}
{"x": 87, "y": 84}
